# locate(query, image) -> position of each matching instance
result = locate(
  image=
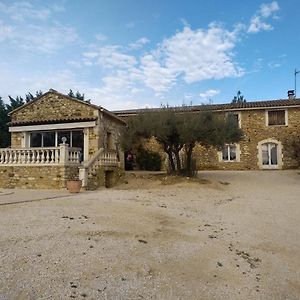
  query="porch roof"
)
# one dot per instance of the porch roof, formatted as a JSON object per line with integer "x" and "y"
{"x": 52, "y": 91}
{"x": 51, "y": 121}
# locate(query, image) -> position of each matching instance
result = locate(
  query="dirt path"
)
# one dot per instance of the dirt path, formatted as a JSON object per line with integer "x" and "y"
{"x": 234, "y": 235}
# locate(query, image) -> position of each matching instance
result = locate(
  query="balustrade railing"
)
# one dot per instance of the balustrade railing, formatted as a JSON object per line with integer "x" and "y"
{"x": 103, "y": 157}
{"x": 108, "y": 157}
{"x": 37, "y": 156}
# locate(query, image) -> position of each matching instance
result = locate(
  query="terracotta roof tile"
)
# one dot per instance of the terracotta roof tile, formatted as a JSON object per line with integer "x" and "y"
{"x": 219, "y": 107}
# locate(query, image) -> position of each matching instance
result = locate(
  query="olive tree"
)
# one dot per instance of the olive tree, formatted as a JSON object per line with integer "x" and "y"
{"x": 178, "y": 131}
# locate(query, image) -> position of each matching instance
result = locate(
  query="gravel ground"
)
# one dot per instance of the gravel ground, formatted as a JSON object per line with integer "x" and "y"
{"x": 231, "y": 235}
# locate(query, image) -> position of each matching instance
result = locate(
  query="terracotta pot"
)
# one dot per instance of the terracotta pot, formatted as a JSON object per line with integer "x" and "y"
{"x": 74, "y": 186}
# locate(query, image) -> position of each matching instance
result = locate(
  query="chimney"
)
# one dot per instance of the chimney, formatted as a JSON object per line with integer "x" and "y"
{"x": 291, "y": 94}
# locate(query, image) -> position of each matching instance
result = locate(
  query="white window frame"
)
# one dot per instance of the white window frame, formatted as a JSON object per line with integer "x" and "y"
{"x": 57, "y": 142}
{"x": 279, "y": 154}
{"x": 286, "y": 119}
{"x": 237, "y": 154}
{"x": 86, "y": 126}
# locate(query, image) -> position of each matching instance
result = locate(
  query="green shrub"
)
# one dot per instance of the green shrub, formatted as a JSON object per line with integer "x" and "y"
{"x": 148, "y": 160}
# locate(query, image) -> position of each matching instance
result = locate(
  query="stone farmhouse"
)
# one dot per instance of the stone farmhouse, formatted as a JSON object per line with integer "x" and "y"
{"x": 56, "y": 138}
{"x": 269, "y": 129}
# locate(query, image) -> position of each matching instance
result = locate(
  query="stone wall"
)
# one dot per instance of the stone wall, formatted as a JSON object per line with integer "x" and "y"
{"x": 93, "y": 136}
{"x": 53, "y": 106}
{"x": 16, "y": 139}
{"x": 253, "y": 124}
{"x": 108, "y": 124}
{"x": 105, "y": 177}
{"x": 36, "y": 177}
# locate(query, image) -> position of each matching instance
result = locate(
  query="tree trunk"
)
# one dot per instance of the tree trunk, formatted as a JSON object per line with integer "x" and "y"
{"x": 171, "y": 161}
{"x": 168, "y": 150}
{"x": 178, "y": 162}
{"x": 189, "y": 151}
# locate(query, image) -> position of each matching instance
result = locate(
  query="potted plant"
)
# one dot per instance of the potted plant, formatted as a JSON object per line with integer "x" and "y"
{"x": 74, "y": 185}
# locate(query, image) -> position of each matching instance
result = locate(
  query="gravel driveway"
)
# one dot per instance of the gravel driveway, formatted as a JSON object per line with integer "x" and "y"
{"x": 234, "y": 235}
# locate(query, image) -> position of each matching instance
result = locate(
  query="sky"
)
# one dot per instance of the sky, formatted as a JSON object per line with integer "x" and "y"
{"x": 125, "y": 54}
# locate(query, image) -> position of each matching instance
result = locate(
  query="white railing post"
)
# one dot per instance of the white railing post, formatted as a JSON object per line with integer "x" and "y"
{"x": 64, "y": 154}
{"x": 83, "y": 176}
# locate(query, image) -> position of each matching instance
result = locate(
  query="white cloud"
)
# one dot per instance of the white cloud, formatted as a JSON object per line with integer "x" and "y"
{"x": 191, "y": 55}
{"x": 114, "y": 94}
{"x": 110, "y": 57}
{"x": 258, "y": 21}
{"x": 266, "y": 10}
{"x": 33, "y": 27}
{"x": 209, "y": 94}
{"x": 155, "y": 76}
{"x": 188, "y": 56}
{"x": 194, "y": 54}
{"x": 20, "y": 11}
{"x": 16, "y": 83}
{"x": 45, "y": 39}
{"x": 139, "y": 43}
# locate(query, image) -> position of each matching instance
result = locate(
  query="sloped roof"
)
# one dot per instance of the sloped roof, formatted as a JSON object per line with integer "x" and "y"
{"x": 52, "y": 91}
{"x": 220, "y": 107}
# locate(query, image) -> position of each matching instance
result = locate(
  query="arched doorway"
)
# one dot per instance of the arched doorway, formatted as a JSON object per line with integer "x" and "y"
{"x": 270, "y": 154}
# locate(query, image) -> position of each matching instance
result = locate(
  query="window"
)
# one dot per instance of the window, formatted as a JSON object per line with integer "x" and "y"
{"x": 36, "y": 139}
{"x": 77, "y": 138}
{"x": 66, "y": 134}
{"x": 54, "y": 138}
{"x": 276, "y": 117}
{"x": 49, "y": 139}
{"x": 42, "y": 139}
{"x": 229, "y": 153}
{"x": 270, "y": 154}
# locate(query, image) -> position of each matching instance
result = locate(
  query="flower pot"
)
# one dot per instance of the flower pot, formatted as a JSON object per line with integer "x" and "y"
{"x": 74, "y": 186}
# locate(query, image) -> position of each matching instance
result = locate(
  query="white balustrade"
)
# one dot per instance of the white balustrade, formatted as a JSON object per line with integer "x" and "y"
{"x": 102, "y": 157}
{"x": 74, "y": 155}
{"x": 40, "y": 156}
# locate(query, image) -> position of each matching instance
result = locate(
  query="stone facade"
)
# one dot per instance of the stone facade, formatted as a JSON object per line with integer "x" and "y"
{"x": 106, "y": 177}
{"x": 33, "y": 177}
{"x": 253, "y": 122}
{"x": 53, "y": 113}
{"x": 53, "y": 106}
{"x": 16, "y": 139}
{"x": 255, "y": 130}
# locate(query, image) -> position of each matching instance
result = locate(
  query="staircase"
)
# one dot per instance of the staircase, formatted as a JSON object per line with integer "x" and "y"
{"x": 93, "y": 173}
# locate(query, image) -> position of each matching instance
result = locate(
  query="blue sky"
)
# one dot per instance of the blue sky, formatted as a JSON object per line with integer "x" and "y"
{"x": 139, "y": 53}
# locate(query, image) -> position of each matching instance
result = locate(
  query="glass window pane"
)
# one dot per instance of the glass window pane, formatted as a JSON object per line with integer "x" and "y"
{"x": 273, "y": 154}
{"x": 35, "y": 139}
{"x": 77, "y": 139}
{"x": 49, "y": 139}
{"x": 62, "y": 134}
{"x": 232, "y": 152}
{"x": 265, "y": 154}
{"x": 225, "y": 153}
